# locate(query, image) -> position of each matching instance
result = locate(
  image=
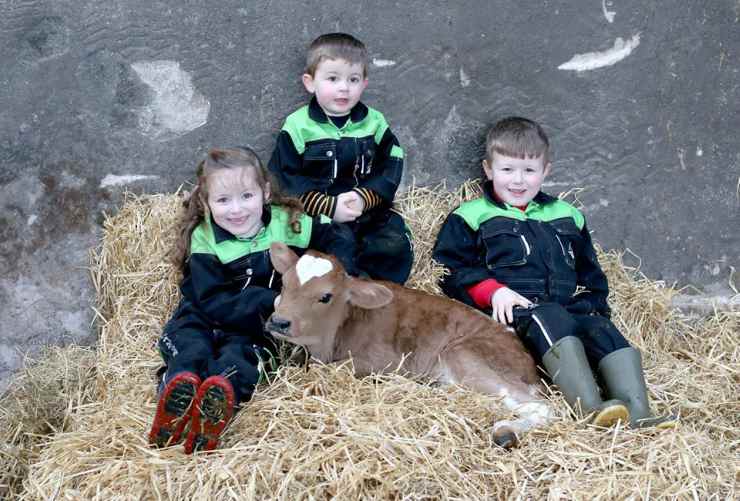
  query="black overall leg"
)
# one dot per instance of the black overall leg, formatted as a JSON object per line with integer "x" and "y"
{"x": 384, "y": 247}
{"x": 552, "y": 334}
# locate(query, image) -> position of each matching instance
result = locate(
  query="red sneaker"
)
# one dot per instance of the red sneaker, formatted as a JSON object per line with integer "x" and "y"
{"x": 212, "y": 410}
{"x": 173, "y": 409}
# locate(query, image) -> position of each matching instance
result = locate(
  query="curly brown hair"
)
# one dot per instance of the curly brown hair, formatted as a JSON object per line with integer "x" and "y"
{"x": 196, "y": 205}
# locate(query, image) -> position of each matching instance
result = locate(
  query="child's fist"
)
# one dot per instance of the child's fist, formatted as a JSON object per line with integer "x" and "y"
{"x": 503, "y": 302}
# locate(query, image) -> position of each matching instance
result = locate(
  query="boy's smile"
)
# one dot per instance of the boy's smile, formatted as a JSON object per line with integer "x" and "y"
{"x": 516, "y": 181}
{"x": 337, "y": 85}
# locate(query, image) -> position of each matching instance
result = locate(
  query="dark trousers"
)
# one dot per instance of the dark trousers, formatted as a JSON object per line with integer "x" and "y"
{"x": 213, "y": 352}
{"x": 544, "y": 324}
{"x": 383, "y": 246}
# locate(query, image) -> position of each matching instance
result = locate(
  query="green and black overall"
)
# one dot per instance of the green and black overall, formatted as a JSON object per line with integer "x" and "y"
{"x": 543, "y": 253}
{"x": 228, "y": 291}
{"x": 318, "y": 157}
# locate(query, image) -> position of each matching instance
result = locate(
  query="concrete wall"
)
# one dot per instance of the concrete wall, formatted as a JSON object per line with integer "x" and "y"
{"x": 639, "y": 98}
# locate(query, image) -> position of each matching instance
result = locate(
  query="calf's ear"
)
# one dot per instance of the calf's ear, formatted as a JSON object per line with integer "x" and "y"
{"x": 369, "y": 295}
{"x": 282, "y": 257}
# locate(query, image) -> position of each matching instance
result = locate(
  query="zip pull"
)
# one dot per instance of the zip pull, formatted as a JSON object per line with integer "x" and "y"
{"x": 272, "y": 277}
{"x": 249, "y": 273}
{"x": 336, "y": 168}
{"x": 526, "y": 244}
{"x": 362, "y": 169}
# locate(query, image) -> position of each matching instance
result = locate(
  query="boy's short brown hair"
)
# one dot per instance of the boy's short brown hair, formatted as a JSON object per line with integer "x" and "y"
{"x": 336, "y": 46}
{"x": 519, "y": 138}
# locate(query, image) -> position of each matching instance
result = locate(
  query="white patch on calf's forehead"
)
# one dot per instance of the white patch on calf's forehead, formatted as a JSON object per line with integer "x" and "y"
{"x": 309, "y": 267}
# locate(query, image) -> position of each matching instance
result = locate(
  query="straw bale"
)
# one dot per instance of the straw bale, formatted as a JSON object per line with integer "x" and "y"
{"x": 322, "y": 433}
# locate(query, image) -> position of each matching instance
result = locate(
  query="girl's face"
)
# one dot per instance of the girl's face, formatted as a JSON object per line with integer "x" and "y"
{"x": 236, "y": 200}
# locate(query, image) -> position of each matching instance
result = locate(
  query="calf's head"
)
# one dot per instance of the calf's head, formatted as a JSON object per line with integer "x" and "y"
{"x": 316, "y": 298}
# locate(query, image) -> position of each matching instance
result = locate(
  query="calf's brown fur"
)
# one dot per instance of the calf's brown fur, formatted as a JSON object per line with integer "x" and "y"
{"x": 384, "y": 326}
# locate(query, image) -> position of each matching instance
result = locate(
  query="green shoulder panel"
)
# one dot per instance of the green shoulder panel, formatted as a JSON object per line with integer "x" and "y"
{"x": 480, "y": 210}
{"x": 556, "y": 210}
{"x": 203, "y": 240}
{"x": 294, "y": 124}
{"x": 303, "y": 130}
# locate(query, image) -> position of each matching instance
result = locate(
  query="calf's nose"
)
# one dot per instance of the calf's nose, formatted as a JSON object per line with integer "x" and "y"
{"x": 277, "y": 324}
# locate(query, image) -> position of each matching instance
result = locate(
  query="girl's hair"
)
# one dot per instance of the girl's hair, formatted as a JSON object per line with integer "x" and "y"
{"x": 196, "y": 206}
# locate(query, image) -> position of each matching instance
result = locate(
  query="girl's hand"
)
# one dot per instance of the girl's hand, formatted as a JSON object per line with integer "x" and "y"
{"x": 503, "y": 302}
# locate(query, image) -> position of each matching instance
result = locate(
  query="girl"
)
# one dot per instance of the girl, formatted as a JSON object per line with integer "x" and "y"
{"x": 214, "y": 344}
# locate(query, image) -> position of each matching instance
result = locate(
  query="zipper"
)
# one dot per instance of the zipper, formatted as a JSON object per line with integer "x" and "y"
{"x": 249, "y": 273}
{"x": 561, "y": 244}
{"x": 526, "y": 245}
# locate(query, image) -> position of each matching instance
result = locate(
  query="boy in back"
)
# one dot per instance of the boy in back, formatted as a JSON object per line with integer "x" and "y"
{"x": 341, "y": 158}
{"x": 520, "y": 255}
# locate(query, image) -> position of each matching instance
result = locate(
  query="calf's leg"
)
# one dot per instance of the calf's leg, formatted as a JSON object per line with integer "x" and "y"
{"x": 470, "y": 367}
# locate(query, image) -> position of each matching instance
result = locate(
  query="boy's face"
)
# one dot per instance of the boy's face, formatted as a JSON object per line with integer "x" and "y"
{"x": 337, "y": 84}
{"x": 516, "y": 181}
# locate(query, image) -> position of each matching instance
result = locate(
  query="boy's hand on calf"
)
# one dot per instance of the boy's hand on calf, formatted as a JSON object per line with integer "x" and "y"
{"x": 503, "y": 302}
{"x": 348, "y": 204}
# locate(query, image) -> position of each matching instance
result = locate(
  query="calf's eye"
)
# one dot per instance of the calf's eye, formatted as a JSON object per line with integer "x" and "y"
{"x": 325, "y": 298}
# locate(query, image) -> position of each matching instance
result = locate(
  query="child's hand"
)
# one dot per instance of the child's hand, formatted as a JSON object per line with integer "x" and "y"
{"x": 503, "y": 302}
{"x": 349, "y": 207}
{"x": 355, "y": 201}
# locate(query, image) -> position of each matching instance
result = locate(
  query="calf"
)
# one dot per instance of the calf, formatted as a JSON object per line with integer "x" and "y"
{"x": 383, "y": 326}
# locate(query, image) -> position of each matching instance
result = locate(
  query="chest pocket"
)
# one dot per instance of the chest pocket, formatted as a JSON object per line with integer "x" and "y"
{"x": 253, "y": 269}
{"x": 365, "y": 157}
{"x": 320, "y": 159}
{"x": 504, "y": 243}
{"x": 569, "y": 239}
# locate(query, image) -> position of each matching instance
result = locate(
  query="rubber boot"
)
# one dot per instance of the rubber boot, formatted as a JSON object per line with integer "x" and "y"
{"x": 623, "y": 375}
{"x": 569, "y": 369}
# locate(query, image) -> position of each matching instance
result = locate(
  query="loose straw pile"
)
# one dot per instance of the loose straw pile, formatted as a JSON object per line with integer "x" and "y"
{"x": 74, "y": 424}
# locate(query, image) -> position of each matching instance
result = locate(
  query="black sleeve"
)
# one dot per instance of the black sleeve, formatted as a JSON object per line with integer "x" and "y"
{"x": 221, "y": 299}
{"x": 336, "y": 239}
{"x": 592, "y": 278}
{"x": 457, "y": 251}
{"x": 387, "y": 170}
{"x": 285, "y": 166}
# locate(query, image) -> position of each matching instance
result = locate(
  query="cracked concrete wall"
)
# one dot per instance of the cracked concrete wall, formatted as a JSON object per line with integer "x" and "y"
{"x": 640, "y": 102}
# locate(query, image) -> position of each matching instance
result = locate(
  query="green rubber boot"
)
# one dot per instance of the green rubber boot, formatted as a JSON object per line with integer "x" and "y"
{"x": 568, "y": 367}
{"x": 623, "y": 375}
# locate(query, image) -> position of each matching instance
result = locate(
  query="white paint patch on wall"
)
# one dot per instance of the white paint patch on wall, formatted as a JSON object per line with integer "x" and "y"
{"x": 608, "y": 14}
{"x": 309, "y": 267}
{"x": 594, "y": 60}
{"x": 464, "y": 78}
{"x": 113, "y": 180}
{"x": 177, "y": 107}
{"x": 381, "y": 63}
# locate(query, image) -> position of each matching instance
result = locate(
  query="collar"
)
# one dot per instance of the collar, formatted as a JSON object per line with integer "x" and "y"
{"x": 315, "y": 113}
{"x": 220, "y": 234}
{"x": 541, "y": 198}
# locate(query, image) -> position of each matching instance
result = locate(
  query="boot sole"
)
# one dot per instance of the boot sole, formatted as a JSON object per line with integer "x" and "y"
{"x": 173, "y": 409}
{"x": 213, "y": 409}
{"x": 611, "y": 415}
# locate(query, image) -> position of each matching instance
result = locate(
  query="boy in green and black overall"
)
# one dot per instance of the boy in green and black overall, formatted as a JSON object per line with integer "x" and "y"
{"x": 521, "y": 256}
{"x": 341, "y": 158}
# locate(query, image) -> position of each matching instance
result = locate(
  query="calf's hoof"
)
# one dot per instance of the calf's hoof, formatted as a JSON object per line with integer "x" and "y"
{"x": 505, "y": 437}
